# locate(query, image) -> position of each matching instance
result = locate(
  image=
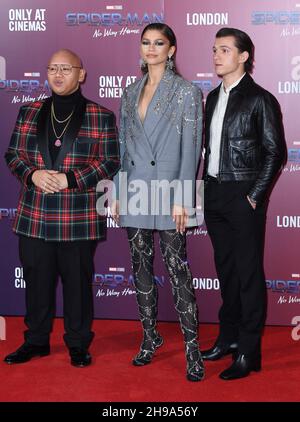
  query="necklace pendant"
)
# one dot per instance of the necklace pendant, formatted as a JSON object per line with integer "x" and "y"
{"x": 57, "y": 143}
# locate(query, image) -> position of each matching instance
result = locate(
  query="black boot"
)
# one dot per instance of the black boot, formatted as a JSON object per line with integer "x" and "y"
{"x": 241, "y": 367}
{"x": 147, "y": 350}
{"x": 173, "y": 249}
{"x": 219, "y": 350}
{"x": 195, "y": 366}
{"x": 142, "y": 254}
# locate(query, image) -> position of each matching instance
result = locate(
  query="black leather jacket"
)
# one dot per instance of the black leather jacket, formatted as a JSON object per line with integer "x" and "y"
{"x": 252, "y": 141}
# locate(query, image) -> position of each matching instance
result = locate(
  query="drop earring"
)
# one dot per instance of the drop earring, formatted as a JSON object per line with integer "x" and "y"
{"x": 143, "y": 64}
{"x": 170, "y": 63}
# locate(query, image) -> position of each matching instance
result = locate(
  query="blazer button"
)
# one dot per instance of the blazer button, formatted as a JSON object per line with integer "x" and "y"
{"x": 152, "y": 163}
{"x": 132, "y": 162}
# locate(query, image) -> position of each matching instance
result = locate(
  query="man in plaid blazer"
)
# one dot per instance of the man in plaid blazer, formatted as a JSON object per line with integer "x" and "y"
{"x": 59, "y": 150}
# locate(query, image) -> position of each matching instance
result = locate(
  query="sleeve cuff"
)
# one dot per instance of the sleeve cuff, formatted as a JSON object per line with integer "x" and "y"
{"x": 29, "y": 181}
{"x": 72, "y": 182}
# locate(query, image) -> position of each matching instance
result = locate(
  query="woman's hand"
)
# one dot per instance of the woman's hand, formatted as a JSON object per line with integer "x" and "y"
{"x": 180, "y": 216}
{"x": 115, "y": 207}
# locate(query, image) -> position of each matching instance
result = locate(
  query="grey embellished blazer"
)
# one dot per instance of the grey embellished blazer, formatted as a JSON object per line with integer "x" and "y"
{"x": 163, "y": 149}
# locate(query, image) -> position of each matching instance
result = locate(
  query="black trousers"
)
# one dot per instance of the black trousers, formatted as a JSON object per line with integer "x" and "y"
{"x": 237, "y": 234}
{"x": 42, "y": 263}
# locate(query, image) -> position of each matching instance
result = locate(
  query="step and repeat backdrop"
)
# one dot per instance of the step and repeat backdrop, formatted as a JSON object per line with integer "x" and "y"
{"x": 106, "y": 35}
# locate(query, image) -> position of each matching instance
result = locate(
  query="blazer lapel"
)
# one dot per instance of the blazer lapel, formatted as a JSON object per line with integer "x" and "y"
{"x": 160, "y": 102}
{"x": 42, "y": 132}
{"x": 132, "y": 110}
{"x": 137, "y": 97}
{"x": 71, "y": 132}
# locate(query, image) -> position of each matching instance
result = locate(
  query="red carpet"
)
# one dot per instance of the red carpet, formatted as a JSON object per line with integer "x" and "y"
{"x": 111, "y": 377}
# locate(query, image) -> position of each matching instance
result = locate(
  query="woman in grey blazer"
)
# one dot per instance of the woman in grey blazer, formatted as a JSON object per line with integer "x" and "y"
{"x": 160, "y": 140}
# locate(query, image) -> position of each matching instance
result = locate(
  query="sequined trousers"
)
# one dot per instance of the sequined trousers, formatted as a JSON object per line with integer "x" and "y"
{"x": 173, "y": 249}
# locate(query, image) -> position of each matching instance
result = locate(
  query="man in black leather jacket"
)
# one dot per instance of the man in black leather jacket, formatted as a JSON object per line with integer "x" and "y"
{"x": 245, "y": 149}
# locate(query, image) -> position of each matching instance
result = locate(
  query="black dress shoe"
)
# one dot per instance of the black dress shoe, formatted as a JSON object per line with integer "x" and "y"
{"x": 241, "y": 367}
{"x": 218, "y": 351}
{"x": 26, "y": 352}
{"x": 80, "y": 357}
{"x": 147, "y": 350}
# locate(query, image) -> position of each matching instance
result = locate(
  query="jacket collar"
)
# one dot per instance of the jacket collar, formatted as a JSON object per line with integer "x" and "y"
{"x": 245, "y": 82}
{"x": 159, "y": 102}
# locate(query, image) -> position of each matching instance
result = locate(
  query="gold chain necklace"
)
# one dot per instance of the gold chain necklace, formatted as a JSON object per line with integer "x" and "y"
{"x": 56, "y": 119}
{"x": 58, "y": 142}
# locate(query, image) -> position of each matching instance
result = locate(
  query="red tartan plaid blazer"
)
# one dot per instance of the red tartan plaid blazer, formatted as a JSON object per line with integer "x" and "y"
{"x": 89, "y": 148}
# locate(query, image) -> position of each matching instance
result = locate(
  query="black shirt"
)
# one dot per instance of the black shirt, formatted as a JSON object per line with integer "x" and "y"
{"x": 63, "y": 107}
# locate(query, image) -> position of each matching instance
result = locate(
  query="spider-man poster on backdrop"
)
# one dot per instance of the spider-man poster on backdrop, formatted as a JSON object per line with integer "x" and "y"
{"x": 106, "y": 36}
